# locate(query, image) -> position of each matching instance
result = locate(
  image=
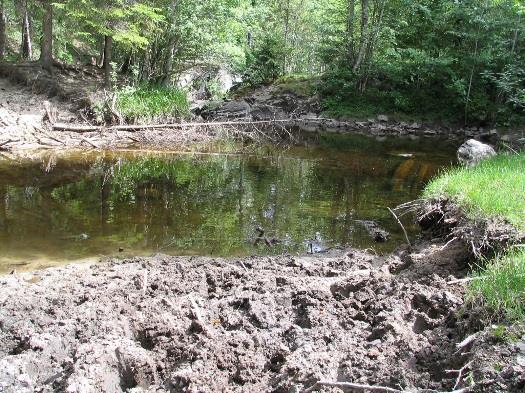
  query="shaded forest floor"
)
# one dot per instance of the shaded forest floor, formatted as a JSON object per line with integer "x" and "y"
{"x": 276, "y": 324}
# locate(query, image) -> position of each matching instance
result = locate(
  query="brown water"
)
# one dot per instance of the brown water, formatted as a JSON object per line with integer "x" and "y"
{"x": 61, "y": 208}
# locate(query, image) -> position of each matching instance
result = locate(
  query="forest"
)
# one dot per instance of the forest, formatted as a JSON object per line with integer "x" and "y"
{"x": 462, "y": 61}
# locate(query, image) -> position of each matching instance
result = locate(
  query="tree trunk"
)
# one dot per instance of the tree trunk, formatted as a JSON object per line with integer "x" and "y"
{"x": 2, "y": 30}
{"x": 46, "y": 55}
{"x": 471, "y": 78}
{"x": 27, "y": 49}
{"x": 286, "y": 33}
{"x": 377, "y": 22}
{"x": 363, "y": 42}
{"x": 168, "y": 64}
{"x": 515, "y": 38}
{"x": 108, "y": 43}
{"x": 350, "y": 31}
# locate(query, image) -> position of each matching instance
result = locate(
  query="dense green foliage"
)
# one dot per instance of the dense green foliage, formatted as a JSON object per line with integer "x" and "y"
{"x": 459, "y": 61}
{"x": 494, "y": 188}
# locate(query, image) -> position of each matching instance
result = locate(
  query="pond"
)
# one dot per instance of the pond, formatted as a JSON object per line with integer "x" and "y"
{"x": 77, "y": 206}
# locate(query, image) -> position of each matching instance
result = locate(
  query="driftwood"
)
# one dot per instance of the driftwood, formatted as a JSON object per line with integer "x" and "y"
{"x": 131, "y": 128}
{"x": 90, "y": 143}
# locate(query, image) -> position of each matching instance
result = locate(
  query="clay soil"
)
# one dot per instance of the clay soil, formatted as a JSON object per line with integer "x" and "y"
{"x": 260, "y": 324}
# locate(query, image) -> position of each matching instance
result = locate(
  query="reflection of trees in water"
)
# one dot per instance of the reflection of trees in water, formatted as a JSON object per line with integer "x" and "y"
{"x": 3, "y": 208}
{"x": 207, "y": 204}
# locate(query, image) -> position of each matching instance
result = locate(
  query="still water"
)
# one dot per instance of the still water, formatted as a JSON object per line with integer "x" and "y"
{"x": 60, "y": 208}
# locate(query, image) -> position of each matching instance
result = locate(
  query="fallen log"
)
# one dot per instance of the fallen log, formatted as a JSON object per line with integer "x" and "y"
{"x": 131, "y": 128}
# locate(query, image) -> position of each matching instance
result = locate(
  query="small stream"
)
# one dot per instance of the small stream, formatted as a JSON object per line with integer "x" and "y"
{"x": 81, "y": 206}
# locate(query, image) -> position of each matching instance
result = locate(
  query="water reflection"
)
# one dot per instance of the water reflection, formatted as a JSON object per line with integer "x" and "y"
{"x": 59, "y": 209}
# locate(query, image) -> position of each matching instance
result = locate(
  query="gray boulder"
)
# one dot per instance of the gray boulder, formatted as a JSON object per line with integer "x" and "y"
{"x": 230, "y": 110}
{"x": 473, "y": 151}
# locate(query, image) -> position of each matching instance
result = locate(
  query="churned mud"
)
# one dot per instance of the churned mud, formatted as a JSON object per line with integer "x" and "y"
{"x": 260, "y": 324}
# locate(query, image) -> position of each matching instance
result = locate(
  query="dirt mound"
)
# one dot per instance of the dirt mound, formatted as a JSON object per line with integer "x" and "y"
{"x": 258, "y": 324}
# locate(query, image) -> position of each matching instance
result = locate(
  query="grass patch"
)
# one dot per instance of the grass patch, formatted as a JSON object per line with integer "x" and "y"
{"x": 500, "y": 287}
{"x": 494, "y": 188}
{"x": 300, "y": 85}
{"x": 147, "y": 103}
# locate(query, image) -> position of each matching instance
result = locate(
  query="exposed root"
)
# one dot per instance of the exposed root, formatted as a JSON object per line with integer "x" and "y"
{"x": 484, "y": 238}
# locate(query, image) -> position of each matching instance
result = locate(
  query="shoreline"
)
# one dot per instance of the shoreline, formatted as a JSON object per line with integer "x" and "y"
{"x": 25, "y": 121}
{"x": 280, "y": 323}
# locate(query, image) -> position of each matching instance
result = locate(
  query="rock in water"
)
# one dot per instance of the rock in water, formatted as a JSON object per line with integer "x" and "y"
{"x": 473, "y": 151}
{"x": 375, "y": 231}
{"x": 316, "y": 246}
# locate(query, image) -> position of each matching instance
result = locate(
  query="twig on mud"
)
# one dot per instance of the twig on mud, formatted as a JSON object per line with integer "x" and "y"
{"x": 449, "y": 243}
{"x": 402, "y": 227}
{"x": 460, "y": 373}
{"x": 196, "y": 311}
{"x": 353, "y": 386}
{"x": 243, "y": 266}
{"x": 465, "y": 280}
{"x": 145, "y": 283}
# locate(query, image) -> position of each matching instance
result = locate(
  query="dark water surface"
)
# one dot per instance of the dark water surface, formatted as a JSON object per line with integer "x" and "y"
{"x": 60, "y": 208}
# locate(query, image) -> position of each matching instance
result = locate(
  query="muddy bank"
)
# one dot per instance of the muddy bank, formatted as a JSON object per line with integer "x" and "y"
{"x": 275, "y": 324}
{"x": 29, "y": 96}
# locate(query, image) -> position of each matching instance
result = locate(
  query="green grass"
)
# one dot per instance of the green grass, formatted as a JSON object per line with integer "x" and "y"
{"x": 148, "y": 103}
{"x": 500, "y": 287}
{"x": 494, "y": 188}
